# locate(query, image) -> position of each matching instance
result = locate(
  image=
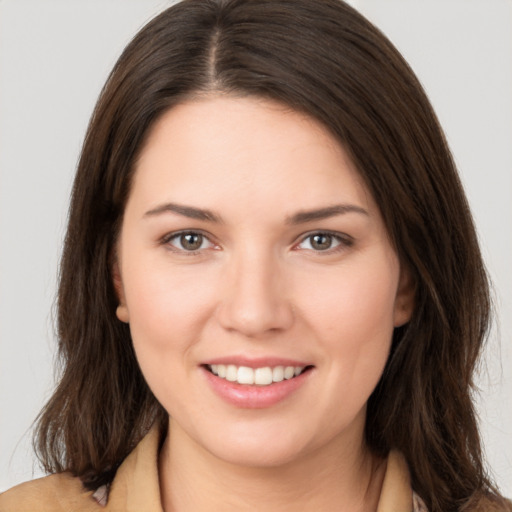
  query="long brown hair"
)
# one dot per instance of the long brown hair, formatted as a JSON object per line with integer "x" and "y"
{"x": 326, "y": 60}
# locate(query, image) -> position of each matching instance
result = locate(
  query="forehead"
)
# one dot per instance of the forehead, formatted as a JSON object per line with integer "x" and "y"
{"x": 225, "y": 148}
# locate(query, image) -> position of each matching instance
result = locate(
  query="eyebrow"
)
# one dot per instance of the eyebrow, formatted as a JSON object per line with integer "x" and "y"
{"x": 305, "y": 216}
{"x": 186, "y": 211}
{"x": 300, "y": 217}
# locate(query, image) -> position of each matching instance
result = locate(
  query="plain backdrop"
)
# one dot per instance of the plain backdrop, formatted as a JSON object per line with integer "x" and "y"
{"x": 54, "y": 58}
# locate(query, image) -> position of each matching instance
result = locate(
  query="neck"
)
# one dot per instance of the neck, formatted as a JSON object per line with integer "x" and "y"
{"x": 191, "y": 478}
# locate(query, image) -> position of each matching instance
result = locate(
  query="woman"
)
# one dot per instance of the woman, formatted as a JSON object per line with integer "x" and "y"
{"x": 271, "y": 292}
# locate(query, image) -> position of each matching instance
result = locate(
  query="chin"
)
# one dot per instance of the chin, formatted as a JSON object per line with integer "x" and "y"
{"x": 270, "y": 454}
{"x": 261, "y": 445}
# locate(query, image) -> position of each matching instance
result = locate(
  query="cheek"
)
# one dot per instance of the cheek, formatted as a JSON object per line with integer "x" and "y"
{"x": 353, "y": 316}
{"x": 358, "y": 298}
{"x": 167, "y": 306}
{"x": 167, "y": 314}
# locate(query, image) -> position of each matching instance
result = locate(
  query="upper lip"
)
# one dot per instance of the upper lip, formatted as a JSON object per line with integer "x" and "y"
{"x": 257, "y": 362}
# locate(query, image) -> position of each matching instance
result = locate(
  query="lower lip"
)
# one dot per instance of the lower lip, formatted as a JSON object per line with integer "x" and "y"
{"x": 255, "y": 397}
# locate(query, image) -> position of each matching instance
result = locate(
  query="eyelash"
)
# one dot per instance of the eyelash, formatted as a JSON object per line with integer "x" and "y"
{"x": 344, "y": 241}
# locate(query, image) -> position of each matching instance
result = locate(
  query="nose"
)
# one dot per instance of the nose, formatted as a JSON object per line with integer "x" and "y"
{"x": 255, "y": 300}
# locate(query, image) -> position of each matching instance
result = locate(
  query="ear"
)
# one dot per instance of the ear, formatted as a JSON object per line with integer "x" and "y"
{"x": 122, "y": 310}
{"x": 404, "y": 300}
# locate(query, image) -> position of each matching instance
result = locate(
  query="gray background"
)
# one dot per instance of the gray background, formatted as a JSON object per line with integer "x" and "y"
{"x": 54, "y": 58}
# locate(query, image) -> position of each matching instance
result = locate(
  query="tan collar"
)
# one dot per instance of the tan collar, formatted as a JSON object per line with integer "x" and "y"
{"x": 136, "y": 485}
{"x": 396, "y": 494}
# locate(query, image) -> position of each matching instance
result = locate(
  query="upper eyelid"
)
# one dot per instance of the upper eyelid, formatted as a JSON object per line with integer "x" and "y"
{"x": 173, "y": 234}
{"x": 336, "y": 234}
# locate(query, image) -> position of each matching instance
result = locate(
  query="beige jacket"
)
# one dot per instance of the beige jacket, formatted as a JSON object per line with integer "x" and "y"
{"x": 136, "y": 488}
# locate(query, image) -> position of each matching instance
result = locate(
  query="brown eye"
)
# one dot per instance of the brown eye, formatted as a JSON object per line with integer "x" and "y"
{"x": 191, "y": 241}
{"x": 188, "y": 241}
{"x": 321, "y": 242}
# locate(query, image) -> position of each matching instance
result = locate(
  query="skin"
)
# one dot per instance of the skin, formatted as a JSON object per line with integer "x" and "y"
{"x": 258, "y": 287}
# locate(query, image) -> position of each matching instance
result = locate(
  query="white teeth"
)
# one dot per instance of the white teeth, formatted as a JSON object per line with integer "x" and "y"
{"x": 263, "y": 376}
{"x": 245, "y": 375}
{"x": 289, "y": 372}
{"x": 278, "y": 374}
{"x": 260, "y": 376}
{"x": 231, "y": 373}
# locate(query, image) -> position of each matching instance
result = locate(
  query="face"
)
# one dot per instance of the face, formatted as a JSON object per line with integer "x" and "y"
{"x": 257, "y": 278}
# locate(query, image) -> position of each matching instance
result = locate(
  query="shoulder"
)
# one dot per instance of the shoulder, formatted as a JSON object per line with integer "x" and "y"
{"x": 55, "y": 493}
{"x": 493, "y": 504}
{"x": 136, "y": 482}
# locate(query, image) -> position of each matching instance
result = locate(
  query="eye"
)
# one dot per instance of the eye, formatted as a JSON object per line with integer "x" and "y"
{"x": 188, "y": 241}
{"x": 322, "y": 242}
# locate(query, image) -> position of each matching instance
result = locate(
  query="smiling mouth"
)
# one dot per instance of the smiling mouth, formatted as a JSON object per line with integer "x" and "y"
{"x": 264, "y": 376}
